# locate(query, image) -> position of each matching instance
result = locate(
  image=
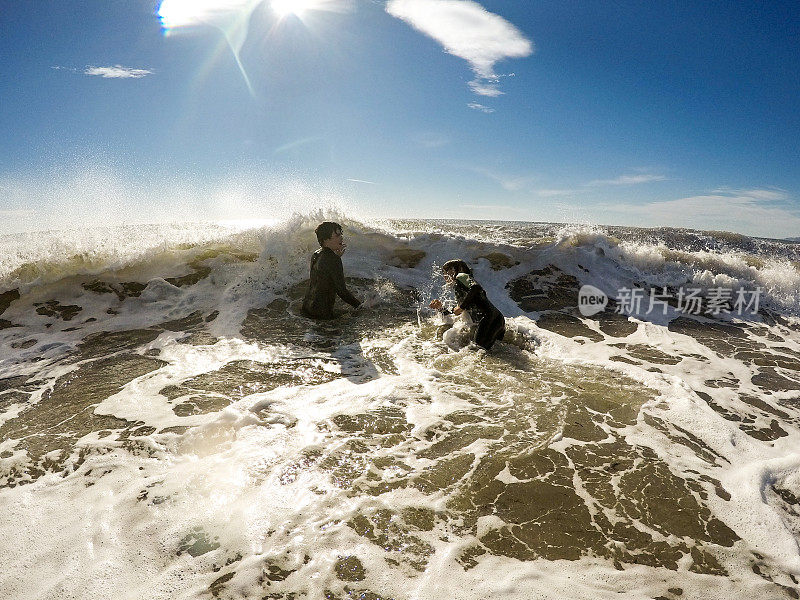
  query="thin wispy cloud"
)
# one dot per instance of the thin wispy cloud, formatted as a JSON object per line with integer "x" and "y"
{"x": 467, "y": 30}
{"x": 430, "y": 139}
{"x": 775, "y": 194}
{"x": 487, "y": 207}
{"x": 480, "y": 107}
{"x": 485, "y": 87}
{"x": 117, "y": 72}
{"x": 555, "y": 193}
{"x": 628, "y": 180}
{"x": 362, "y": 181}
{"x": 294, "y": 144}
{"x": 510, "y": 183}
{"x": 752, "y": 212}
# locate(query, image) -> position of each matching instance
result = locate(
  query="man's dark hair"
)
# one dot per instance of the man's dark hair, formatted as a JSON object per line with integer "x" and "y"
{"x": 325, "y": 230}
{"x": 459, "y": 266}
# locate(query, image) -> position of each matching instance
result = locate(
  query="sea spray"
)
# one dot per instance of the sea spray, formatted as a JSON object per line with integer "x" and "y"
{"x": 172, "y": 426}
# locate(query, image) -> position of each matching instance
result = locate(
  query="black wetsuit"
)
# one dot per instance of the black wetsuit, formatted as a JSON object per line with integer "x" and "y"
{"x": 327, "y": 281}
{"x": 490, "y": 321}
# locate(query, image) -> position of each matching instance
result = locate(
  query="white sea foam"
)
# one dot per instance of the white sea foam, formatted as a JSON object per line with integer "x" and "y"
{"x": 121, "y": 520}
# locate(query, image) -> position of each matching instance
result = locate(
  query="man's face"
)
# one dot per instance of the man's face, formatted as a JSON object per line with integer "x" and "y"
{"x": 336, "y": 242}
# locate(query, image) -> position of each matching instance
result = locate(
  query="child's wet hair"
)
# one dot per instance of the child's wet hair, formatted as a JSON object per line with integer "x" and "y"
{"x": 457, "y": 265}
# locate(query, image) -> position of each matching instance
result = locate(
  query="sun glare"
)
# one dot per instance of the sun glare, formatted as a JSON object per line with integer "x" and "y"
{"x": 233, "y": 17}
{"x": 180, "y": 13}
{"x": 285, "y": 8}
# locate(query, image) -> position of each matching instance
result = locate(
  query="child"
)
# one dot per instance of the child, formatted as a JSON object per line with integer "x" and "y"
{"x": 327, "y": 275}
{"x": 472, "y": 298}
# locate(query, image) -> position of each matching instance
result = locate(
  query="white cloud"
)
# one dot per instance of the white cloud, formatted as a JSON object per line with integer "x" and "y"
{"x": 480, "y": 107}
{"x": 628, "y": 180}
{"x": 362, "y": 181}
{"x": 117, "y": 72}
{"x": 467, "y": 30}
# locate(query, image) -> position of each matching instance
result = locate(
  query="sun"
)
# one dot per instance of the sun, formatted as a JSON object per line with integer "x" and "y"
{"x": 284, "y": 8}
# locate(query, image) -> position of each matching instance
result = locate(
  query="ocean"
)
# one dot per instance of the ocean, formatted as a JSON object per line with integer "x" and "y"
{"x": 171, "y": 425}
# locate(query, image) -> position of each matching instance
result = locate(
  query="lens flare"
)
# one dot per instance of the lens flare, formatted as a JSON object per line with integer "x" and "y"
{"x": 233, "y": 18}
{"x": 285, "y": 8}
{"x": 299, "y": 8}
{"x": 181, "y": 13}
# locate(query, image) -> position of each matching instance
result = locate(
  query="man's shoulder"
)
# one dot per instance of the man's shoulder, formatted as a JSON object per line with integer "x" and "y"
{"x": 328, "y": 256}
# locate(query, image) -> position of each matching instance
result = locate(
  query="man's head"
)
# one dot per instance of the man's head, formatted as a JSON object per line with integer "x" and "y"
{"x": 329, "y": 235}
{"x": 327, "y": 230}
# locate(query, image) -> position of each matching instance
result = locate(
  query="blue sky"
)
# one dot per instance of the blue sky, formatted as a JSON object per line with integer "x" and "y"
{"x": 639, "y": 113}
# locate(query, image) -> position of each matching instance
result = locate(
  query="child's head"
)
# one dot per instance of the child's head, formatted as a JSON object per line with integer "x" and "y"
{"x": 452, "y": 268}
{"x": 326, "y": 231}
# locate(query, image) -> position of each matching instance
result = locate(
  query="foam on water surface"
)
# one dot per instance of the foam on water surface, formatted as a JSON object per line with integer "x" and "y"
{"x": 172, "y": 427}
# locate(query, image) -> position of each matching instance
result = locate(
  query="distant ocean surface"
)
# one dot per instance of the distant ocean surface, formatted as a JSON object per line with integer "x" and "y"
{"x": 172, "y": 427}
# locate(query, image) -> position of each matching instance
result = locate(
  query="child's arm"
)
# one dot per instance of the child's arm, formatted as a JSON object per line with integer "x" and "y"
{"x": 472, "y": 294}
{"x": 437, "y": 305}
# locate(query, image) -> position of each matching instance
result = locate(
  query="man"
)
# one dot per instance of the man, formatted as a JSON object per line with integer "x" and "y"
{"x": 327, "y": 275}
